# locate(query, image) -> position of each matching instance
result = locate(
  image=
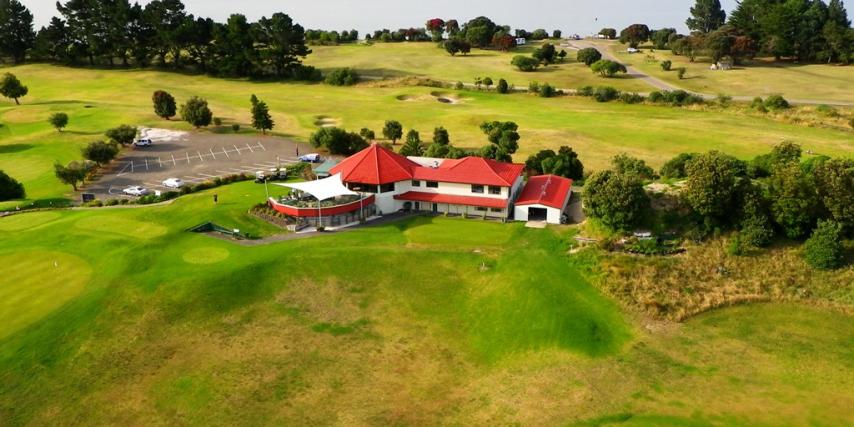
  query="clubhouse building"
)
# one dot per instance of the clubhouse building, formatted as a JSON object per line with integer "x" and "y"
{"x": 379, "y": 181}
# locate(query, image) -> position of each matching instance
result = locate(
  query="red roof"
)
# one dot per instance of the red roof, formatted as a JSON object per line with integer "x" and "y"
{"x": 548, "y": 190}
{"x": 484, "y": 202}
{"x": 472, "y": 170}
{"x": 375, "y": 165}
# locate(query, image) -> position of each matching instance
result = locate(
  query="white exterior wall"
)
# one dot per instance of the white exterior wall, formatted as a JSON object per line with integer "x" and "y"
{"x": 387, "y": 204}
{"x": 455, "y": 189}
{"x": 520, "y": 213}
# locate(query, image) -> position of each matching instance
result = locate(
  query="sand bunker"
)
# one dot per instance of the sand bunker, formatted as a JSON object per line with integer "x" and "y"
{"x": 443, "y": 97}
{"x": 162, "y": 135}
{"x": 326, "y": 122}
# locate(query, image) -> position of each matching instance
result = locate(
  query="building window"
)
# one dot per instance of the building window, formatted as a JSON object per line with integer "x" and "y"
{"x": 362, "y": 188}
{"x": 432, "y": 184}
{"x": 498, "y": 210}
{"x": 387, "y": 188}
{"x": 416, "y": 183}
{"x": 480, "y": 209}
{"x": 477, "y": 189}
{"x": 494, "y": 190}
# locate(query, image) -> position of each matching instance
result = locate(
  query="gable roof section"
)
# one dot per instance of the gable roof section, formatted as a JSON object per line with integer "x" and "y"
{"x": 548, "y": 190}
{"x": 375, "y": 165}
{"x": 472, "y": 170}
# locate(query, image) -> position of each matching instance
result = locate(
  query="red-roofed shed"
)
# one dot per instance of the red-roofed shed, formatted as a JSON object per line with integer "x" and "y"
{"x": 543, "y": 199}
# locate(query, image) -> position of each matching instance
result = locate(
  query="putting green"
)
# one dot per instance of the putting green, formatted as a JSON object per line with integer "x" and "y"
{"x": 125, "y": 227}
{"x": 27, "y": 220}
{"x": 35, "y": 283}
{"x": 206, "y": 255}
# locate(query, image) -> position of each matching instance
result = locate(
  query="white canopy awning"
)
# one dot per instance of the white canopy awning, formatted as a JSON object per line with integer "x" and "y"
{"x": 323, "y": 189}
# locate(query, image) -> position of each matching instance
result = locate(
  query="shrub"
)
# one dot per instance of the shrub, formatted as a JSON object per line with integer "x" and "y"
{"x": 617, "y": 200}
{"x": 776, "y": 102}
{"x": 628, "y": 165}
{"x": 367, "y": 134}
{"x": 735, "y": 247}
{"x": 58, "y": 120}
{"x": 675, "y": 98}
{"x": 217, "y": 121}
{"x": 827, "y": 110}
{"x": 111, "y": 202}
{"x": 534, "y": 87}
{"x": 196, "y": 112}
{"x": 338, "y": 141}
{"x": 10, "y": 188}
{"x": 342, "y": 77}
{"x": 585, "y": 91}
{"x": 306, "y": 73}
{"x": 525, "y": 63}
{"x": 607, "y": 68}
{"x": 502, "y": 86}
{"x": 605, "y": 94}
{"x": 724, "y": 100}
{"x": 665, "y": 65}
{"x": 680, "y": 72}
{"x": 548, "y": 91}
{"x": 631, "y": 98}
{"x": 459, "y": 86}
{"x": 851, "y": 123}
{"x": 675, "y": 167}
{"x": 123, "y": 134}
{"x": 235, "y": 127}
{"x": 824, "y": 248}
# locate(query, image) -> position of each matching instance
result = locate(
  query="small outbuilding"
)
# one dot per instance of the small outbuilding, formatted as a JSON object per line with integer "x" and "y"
{"x": 544, "y": 198}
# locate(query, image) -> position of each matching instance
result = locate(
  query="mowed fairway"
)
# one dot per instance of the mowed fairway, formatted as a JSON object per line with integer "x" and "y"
{"x": 97, "y": 100}
{"x": 420, "y": 322}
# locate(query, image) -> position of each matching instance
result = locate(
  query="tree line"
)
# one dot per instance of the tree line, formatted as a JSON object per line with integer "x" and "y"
{"x": 803, "y": 30}
{"x": 161, "y": 33}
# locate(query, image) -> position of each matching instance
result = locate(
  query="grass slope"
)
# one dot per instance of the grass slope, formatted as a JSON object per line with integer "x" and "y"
{"x": 425, "y": 321}
{"x": 99, "y": 100}
{"x": 761, "y": 77}
{"x": 427, "y": 60}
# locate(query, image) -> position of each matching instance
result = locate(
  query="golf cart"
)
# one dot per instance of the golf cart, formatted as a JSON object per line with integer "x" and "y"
{"x": 274, "y": 174}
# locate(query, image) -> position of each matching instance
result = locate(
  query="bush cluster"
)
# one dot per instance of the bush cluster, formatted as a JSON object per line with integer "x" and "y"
{"x": 342, "y": 77}
{"x": 676, "y": 98}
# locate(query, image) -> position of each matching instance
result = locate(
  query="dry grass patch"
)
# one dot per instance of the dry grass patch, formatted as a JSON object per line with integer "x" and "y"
{"x": 706, "y": 277}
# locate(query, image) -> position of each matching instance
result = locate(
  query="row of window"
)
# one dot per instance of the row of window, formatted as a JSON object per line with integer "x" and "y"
{"x": 482, "y": 209}
{"x": 428, "y": 184}
{"x": 479, "y": 189}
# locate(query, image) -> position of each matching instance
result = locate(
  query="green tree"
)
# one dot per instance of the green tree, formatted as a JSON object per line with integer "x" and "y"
{"x": 837, "y": 33}
{"x": 625, "y": 164}
{"x": 123, "y": 134}
{"x": 196, "y": 112}
{"x": 607, "y": 68}
{"x": 634, "y": 35}
{"x": 487, "y": 81}
{"x": 588, "y": 56}
{"x": 368, "y": 134}
{"x": 58, "y": 120}
{"x": 100, "y": 152}
{"x": 794, "y": 201}
{"x": 261, "y": 118}
{"x": 706, "y": 16}
{"x": 74, "y": 173}
{"x": 525, "y": 63}
{"x": 824, "y": 249}
{"x": 835, "y": 185}
{"x": 503, "y": 135}
{"x": 755, "y": 228}
{"x": 338, "y": 141}
{"x": 393, "y": 130}
{"x": 617, "y": 200}
{"x": 281, "y": 43}
{"x": 164, "y": 104}
{"x": 16, "y": 30}
{"x": 11, "y": 87}
{"x": 441, "y": 136}
{"x": 412, "y": 146}
{"x": 609, "y": 33}
{"x": 10, "y": 188}
{"x": 545, "y": 54}
{"x": 714, "y": 186}
{"x": 564, "y": 163}
{"x": 661, "y": 38}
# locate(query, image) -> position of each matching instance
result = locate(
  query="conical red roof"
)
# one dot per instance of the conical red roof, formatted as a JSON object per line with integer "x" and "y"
{"x": 375, "y": 165}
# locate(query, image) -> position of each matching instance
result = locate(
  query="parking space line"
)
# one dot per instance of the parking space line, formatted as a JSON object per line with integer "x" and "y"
{"x": 209, "y": 176}
{"x": 188, "y": 157}
{"x": 159, "y": 162}
{"x": 212, "y": 153}
{"x": 250, "y": 148}
{"x": 146, "y": 163}
{"x": 262, "y": 147}
{"x": 238, "y": 150}
{"x": 173, "y": 159}
{"x": 200, "y": 156}
{"x": 226, "y": 153}
{"x": 121, "y": 172}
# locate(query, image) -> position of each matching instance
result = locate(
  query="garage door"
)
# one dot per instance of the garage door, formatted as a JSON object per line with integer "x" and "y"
{"x": 537, "y": 214}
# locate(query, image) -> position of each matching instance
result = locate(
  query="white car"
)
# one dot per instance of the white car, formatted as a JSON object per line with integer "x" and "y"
{"x": 135, "y": 190}
{"x": 144, "y": 142}
{"x": 173, "y": 183}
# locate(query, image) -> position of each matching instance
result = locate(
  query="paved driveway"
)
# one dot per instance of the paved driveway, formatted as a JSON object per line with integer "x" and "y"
{"x": 195, "y": 158}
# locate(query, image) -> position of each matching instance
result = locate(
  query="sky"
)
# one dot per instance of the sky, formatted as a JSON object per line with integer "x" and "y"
{"x": 571, "y": 16}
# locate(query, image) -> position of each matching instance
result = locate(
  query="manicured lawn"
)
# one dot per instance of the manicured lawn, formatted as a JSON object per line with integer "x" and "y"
{"x": 424, "y": 321}
{"x": 101, "y": 99}
{"x": 427, "y": 60}
{"x": 761, "y": 77}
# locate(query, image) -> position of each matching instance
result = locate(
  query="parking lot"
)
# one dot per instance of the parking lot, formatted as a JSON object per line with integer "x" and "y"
{"x": 194, "y": 158}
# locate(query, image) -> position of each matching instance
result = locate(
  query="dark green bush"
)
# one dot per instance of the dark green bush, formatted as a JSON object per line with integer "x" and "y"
{"x": 665, "y": 65}
{"x": 342, "y": 77}
{"x": 824, "y": 248}
{"x": 631, "y": 98}
{"x": 585, "y": 91}
{"x": 776, "y": 102}
{"x": 10, "y": 188}
{"x": 605, "y": 94}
